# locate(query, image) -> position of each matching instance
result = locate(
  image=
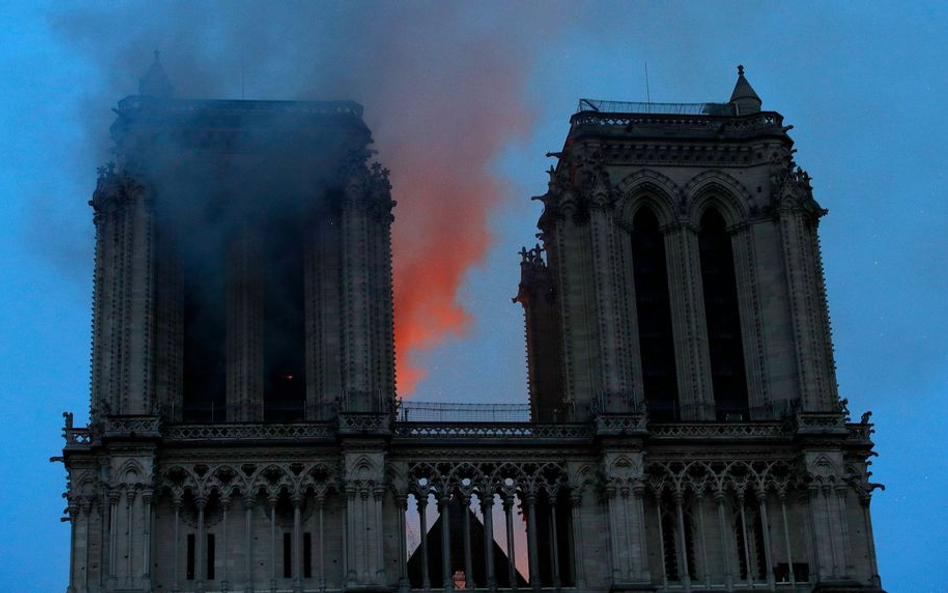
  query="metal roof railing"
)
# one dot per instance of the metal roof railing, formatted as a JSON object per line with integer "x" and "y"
{"x": 415, "y": 411}
{"x": 600, "y": 106}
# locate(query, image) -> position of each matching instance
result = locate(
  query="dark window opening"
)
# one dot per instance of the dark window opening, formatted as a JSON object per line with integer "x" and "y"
{"x": 801, "y": 572}
{"x": 287, "y": 556}
{"x": 726, "y": 348}
{"x": 189, "y": 571}
{"x": 210, "y": 556}
{"x": 204, "y": 317}
{"x": 669, "y": 546}
{"x": 283, "y": 327}
{"x": 653, "y": 305}
{"x": 307, "y": 555}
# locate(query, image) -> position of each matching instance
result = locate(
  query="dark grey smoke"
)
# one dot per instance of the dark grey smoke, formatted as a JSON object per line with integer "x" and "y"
{"x": 442, "y": 84}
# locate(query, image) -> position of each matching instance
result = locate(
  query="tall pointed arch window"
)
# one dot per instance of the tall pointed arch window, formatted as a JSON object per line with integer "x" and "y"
{"x": 728, "y": 377}
{"x": 653, "y": 307}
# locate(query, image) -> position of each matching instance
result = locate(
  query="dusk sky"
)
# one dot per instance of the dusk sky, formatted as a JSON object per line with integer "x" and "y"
{"x": 465, "y": 100}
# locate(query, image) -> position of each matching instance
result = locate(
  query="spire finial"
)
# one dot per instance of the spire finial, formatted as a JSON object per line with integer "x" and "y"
{"x": 744, "y": 97}
{"x": 740, "y": 67}
{"x": 155, "y": 82}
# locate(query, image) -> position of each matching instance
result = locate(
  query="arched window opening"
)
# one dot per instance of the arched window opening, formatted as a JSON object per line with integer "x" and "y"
{"x": 202, "y": 261}
{"x": 656, "y": 342}
{"x": 722, "y": 312}
{"x": 283, "y": 327}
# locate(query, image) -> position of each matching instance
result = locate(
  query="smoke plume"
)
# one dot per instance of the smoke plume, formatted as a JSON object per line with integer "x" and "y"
{"x": 442, "y": 85}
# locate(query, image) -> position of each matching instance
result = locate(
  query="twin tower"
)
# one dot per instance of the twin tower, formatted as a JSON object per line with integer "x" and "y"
{"x": 685, "y": 430}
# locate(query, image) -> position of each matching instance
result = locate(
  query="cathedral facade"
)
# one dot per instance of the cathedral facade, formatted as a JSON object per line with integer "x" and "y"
{"x": 683, "y": 432}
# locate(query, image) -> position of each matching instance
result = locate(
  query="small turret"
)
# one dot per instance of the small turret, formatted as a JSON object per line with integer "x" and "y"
{"x": 744, "y": 97}
{"x": 155, "y": 82}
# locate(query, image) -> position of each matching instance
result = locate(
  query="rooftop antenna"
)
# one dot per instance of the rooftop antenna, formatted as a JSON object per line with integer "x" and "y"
{"x": 648, "y": 91}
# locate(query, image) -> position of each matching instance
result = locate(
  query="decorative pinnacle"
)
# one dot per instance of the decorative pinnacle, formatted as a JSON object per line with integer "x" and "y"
{"x": 740, "y": 69}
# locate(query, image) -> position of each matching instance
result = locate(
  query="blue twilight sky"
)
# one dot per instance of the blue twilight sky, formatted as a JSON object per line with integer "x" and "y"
{"x": 865, "y": 85}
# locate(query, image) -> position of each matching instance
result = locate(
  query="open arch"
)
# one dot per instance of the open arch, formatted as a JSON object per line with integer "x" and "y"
{"x": 653, "y": 309}
{"x": 722, "y": 314}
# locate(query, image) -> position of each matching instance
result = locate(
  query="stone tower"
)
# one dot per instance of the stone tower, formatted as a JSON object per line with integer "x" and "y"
{"x": 683, "y": 431}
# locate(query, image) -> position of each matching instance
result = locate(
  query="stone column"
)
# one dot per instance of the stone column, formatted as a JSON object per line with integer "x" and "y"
{"x": 719, "y": 496}
{"x": 201, "y": 547}
{"x": 114, "y": 497}
{"x": 748, "y": 295}
{"x": 468, "y": 558}
{"x": 689, "y": 326}
{"x": 533, "y": 555}
{"x": 554, "y": 548}
{"x": 611, "y": 492}
{"x": 225, "y": 507}
{"x": 685, "y": 575}
{"x": 248, "y": 543}
{"x": 273, "y": 569}
{"x": 422, "y": 500}
{"x": 378, "y": 493}
{"x": 702, "y": 539}
{"x": 487, "y": 509}
{"x": 74, "y": 511}
{"x": 786, "y": 535}
{"x": 138, "y": 396}
{"x": 840, "y": 498}
{"x": 86, "y": 509}
{"x": 765, "y": 527}
{"x": 803, "y": 270}
{"x": 511, "y": 546}
{"x": 865, "y": 499}
{"x": 576, "y": 545}
{"x": 747, "y": 558}
{"x": 321, "y": 503}
{"x": 297, "y": 546}
{"x": 244, "y": 329}
{"x": 445, "y": 517}
{"x": 176, "y": 585}
{"x": 401, "y": 504}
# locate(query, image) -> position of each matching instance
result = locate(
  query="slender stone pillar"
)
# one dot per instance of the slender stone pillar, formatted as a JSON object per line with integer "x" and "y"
{"x": 511, "y": 546}
{"x": 611, "y": 492}
{"x": 555, "y": 547}
{"x": 401, "y": 504}
{"x": 114, "y": 497}
{"x": 685, "y": 575}
{"x": 422, "y": 501}
{"x": 147, "y": 514}
{"x": 200, "y": 548}
{"x": 865, "y": 500}
{"x": 643, "y": 573}
{"x": 576, "y": 546}
{"x": 273, "y": 569}
{"x": 248, "y": 544}
{"x": 129, "y": 530}
{"x": 225, "y": 507}
{"x": 661, "y": 539}
{"x": 74, "y": 511}
{"x": 786, "y": 536}
{"x": 747, "y": 558}
{"x": 840, "y": 499}
{"x": 702, "y": 539}
{"x": 176, "y": 585}
{"x": 765, "y": 527}
{"x": 689, "y": 326}
{"x": 321, "y": 503}
{"x": 297, "y": 546}
{"x": 719, "y": 497}
{"x": 378, "y": 494}
{"x": 487, "y": 509}
{"x": 445, "y": 516}
{"x": 87, "y": 511}
{"x": 533, "y": 555}
{"x": 468, "y": 559}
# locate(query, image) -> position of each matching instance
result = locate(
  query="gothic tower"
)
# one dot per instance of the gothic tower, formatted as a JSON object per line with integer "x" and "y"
{"x": 683, "y": 431}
